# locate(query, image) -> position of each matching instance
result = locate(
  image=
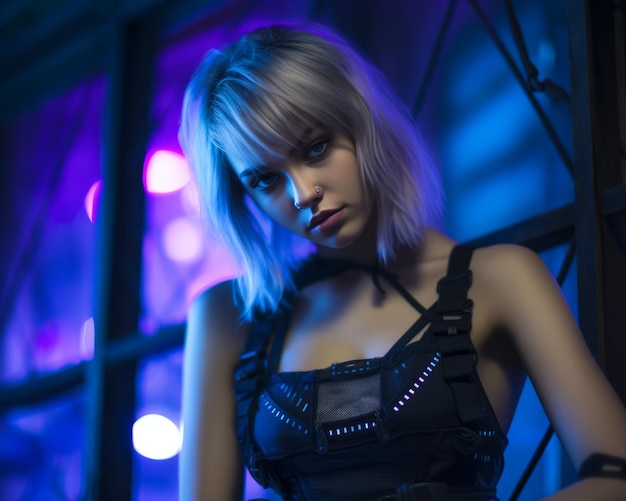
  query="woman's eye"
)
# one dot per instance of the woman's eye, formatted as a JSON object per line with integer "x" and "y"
{"x": 262, "y": 180}
{"x": 317, "y": 149}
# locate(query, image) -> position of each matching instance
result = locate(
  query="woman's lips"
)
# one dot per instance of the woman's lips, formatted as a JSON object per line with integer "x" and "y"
{"x": 326, "y": 220}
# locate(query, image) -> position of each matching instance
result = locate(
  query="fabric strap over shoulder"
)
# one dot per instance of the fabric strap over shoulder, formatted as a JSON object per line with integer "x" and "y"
{"x": 450, "y": 326}
{"x": 250, "y": 375}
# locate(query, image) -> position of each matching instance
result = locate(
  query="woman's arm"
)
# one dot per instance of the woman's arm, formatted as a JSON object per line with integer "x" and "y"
{"x": 210, "y": 465}
{"x": 583, "y": 408}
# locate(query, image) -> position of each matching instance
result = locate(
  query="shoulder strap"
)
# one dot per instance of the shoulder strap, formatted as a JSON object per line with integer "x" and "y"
{"x": 451, "y": 327}
{"x": 316, "y": 268}
{"x": 278, "y": 344}
{"x": 249, "y": 377}
{"x": 452, "y": 291}
{"x": 453, "y": 287}
{"x": 453, "y": 310}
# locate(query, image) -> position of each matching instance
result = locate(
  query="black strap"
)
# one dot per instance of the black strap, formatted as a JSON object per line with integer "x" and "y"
{"x": 452, "y": 296}
{"x": 438, "y": 491}
{"x": 411, "y": 332}
{"x": 393, "y": 280}
{"x": 453, "y": 287}
{"x": 427, "y": 491}
{"x": 278, "y": 343}
{"x": 316, "y": 268}
{"x": 449, "y": 319}
{"x": 603, "y": 465}
{"x": 249, "y": 376}
{"x": 451, "y": 327}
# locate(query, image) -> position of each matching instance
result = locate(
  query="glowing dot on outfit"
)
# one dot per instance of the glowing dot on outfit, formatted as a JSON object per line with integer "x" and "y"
{"x": 165, "y": 172}
{"x": 156, "y": 437}
{"x": 182, "y": 240}
{"x": 92, "y": 200}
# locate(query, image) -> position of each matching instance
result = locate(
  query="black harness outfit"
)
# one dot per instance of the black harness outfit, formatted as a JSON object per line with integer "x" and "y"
{"x": 414, "y": 424}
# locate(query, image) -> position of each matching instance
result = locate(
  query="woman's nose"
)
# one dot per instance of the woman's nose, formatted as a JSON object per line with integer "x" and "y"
{"x": 305, "y": 194}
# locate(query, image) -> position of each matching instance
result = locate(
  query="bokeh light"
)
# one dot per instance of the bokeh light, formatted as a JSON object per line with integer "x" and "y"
{"x": 182, "y": 240}
{"x": 156, "y": 437}
{"x": 165, "y": 172}
{"x": 87, "y": 338}
{"x": 92, "y": 200}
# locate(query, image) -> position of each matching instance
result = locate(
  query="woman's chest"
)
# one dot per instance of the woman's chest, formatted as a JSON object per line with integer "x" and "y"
{"x": 358, "y": 320}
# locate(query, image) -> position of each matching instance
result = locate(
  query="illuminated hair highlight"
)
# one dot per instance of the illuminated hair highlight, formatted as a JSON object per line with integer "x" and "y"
{"x": 254, "y": 99}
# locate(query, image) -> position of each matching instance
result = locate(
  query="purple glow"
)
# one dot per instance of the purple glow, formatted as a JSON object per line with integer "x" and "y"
{"x": 182, "y": 240}
{"x": 190, "y": 199}
{"x": 165, "y": 172}
{"x": 210, "y": 278}
{"x": 48, "y": 337}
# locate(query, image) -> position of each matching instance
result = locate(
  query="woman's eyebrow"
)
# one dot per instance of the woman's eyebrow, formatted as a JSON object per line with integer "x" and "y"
{"x": 301, "y": 142}
{"x": 304, "y": 137}
{"x": 251, "y": 171}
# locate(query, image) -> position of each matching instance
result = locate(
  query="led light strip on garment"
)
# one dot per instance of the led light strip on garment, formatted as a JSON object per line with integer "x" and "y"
{"x": 410, "y": 392}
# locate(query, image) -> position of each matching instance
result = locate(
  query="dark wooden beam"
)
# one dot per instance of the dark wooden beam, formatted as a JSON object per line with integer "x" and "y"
{"x": 598, "y": 96}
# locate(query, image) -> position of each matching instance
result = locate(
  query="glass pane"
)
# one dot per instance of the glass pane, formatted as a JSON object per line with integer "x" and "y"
{"x": 52, "y": 161}
{"x": 498, "y": 163}
{"x": 41, "y": 450}
{"x": 156, "y": 432}
{"x": 180, "y": 257}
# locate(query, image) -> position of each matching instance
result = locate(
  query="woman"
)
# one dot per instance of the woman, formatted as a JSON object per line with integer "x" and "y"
{"x": 388, "y": 364}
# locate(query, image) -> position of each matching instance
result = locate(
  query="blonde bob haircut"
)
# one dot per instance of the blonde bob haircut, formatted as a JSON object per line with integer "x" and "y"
{"x": 255, "y": 98}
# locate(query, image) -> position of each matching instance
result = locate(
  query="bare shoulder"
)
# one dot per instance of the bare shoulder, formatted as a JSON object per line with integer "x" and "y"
{"x": 516, "y": 279}
{"x": 502, "y": 261}
{"x": 210, "y": 465}
{"x": 220, "y": 294}
{"x": 215, "y": 318}
{"x": 518, "y": 293}
{"x": 521, "y": 293}
{"x": 218, "y": 297}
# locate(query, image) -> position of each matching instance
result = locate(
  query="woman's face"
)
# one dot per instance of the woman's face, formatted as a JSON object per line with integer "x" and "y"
{"x": 321, "y": 177}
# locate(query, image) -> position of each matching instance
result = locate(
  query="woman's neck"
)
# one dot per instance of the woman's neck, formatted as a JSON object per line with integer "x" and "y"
{"x": 364, "y": 251}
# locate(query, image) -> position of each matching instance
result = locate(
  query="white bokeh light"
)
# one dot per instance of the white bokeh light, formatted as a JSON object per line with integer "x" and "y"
{"x": 156, "y": 437}
{"x": 182, "y": 240}
{"x": 165, "y": 172}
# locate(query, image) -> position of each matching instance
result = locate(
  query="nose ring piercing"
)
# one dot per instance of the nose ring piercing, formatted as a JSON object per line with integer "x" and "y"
{"x": 318, "y": 190}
